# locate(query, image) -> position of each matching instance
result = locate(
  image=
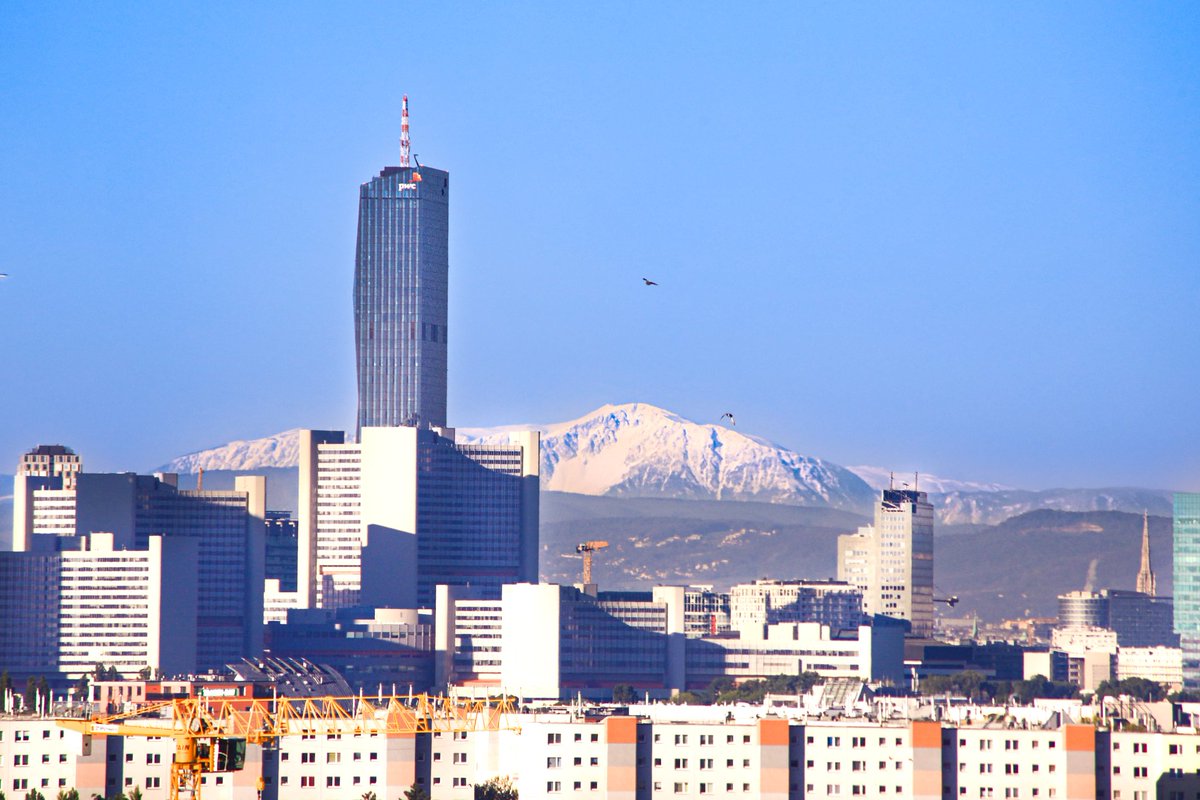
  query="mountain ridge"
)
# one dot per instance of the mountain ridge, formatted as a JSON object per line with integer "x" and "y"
{"x": 641, "y": 450}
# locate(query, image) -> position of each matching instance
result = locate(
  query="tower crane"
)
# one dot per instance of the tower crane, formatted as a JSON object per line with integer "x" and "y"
{"x": 587, "y": 548}
{"x": 211, "y": 734}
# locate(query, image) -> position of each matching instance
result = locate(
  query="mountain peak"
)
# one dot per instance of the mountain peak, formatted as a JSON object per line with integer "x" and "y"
{"x": 642, "y": 450}
{"x": 279, "y": 450}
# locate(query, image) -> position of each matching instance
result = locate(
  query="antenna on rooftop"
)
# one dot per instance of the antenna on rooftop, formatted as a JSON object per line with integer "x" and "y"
{"x": 404, "y": 132}
{"x": 891, "y": 481}
{"x": 916, "y": 481}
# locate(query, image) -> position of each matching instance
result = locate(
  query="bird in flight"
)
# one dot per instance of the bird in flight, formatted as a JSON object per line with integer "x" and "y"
{"x": 3, "y": 275}
{"x": 649, "y": 282}
{"x": 732, "y": 421}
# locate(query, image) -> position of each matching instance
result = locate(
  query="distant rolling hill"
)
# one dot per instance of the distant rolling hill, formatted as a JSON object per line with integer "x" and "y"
{"x": 1016, "y": 568}
{"x": 1020, "y": 566}
{"x": 6, "y": 512}
{"x": 656, "y": 541}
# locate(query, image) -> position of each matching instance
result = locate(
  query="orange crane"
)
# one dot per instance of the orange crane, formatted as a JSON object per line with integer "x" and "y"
{"x": 587, "y": 548}
{"x": 211, "y": 734}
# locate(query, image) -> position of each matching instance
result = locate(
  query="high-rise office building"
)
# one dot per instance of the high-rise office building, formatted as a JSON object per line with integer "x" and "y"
{"x": 51, "y": 461}
{"x": 1137, "y": 619}
{"x": 1187, "y": 584}
{"x": 228, "y": 524}
{"x": 44, "y": 493}
{"x": 892, "y": 560}
{"x": 386, "y": 519}
{"x": 68, "y": 610}
{"x": 401, "y": 271}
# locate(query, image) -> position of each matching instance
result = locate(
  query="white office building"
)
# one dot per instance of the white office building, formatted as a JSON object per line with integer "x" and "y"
{"x": 128, "y": 609}
{"x": 385, "y": 520}
{"x": 891, "y": 561}
{"x": 835, "y": 603}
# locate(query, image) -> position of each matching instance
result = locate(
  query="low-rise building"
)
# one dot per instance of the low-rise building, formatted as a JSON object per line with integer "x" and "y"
{"x": 656, "y": 751}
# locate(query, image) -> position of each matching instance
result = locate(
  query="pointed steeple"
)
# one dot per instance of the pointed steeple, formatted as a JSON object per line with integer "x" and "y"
{"x": 1145, "y": 578}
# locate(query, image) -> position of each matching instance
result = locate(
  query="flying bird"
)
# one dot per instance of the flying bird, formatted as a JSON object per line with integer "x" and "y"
{"x": 649, "y": 282}
{"x": 3, "y": 275}
{"x": 732, "y": 421}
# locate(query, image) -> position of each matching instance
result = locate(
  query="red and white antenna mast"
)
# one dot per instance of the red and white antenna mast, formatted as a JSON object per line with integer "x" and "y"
{"x": 404, "y": 133}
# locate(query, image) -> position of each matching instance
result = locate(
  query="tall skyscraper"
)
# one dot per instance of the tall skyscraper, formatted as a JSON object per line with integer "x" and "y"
{"x": 1146, "y": 584}
{"x": 892, "y": 560}
{"x": 401, "y": 271}
{"x": 1186, "y": 584}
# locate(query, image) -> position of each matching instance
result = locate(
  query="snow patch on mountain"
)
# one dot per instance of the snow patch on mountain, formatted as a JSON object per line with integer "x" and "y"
{"x": 640, "y": 450}
{"x": 879, "y": 478}
{"x": 280, "y": 450}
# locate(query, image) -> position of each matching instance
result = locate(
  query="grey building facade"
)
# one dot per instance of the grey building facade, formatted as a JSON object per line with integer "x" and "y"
{"x": 401, "y": 271}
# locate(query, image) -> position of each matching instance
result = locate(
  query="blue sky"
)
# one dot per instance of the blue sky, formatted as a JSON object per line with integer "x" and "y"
{"x": 961, "y": 238}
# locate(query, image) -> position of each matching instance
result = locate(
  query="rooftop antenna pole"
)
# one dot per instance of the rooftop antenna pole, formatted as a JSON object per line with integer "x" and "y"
{"x": 404, "y": 132}
{"x": 891, "y": 481}
{"x": 916, "y": 481}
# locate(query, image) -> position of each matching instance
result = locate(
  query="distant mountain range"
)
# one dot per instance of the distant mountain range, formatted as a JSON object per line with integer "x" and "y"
{"x": 640, "y": 450}
{"x": 280, "y": 450}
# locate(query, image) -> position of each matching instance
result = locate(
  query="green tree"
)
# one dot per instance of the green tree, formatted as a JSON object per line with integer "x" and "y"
{"x": 135, "y": 793}
{"x": 30, "y": 695}
{"x": 1184, "y": 696}
{"x": 67, "y": 794}
{"x": 1137, "y": 688}
{"x": 415, "y": 792}
{"x": 624, "y": 693}
{"x": 495, "y": 789}
{"x": 1039, "y": 687}
{"x": 81, "y": 687}
{"x": 34, "y": 794}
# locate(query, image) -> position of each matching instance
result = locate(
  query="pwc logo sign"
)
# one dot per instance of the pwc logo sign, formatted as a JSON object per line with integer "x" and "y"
{"x": 416, "y": 178}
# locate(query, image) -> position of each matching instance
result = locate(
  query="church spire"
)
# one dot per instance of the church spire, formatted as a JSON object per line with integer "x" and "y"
{"x": 1145, "y": 578}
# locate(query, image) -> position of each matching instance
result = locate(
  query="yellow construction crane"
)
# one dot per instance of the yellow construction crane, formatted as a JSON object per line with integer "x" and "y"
{"x": 587, "y": 548}
{"x": 211, "y": 734}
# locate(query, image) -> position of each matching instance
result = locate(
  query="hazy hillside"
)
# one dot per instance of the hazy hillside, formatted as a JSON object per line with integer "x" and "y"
{"x": 656, "y": 541}
{"x": 1020, "y": 566}
{"x": 6, "y": 512}
{"x": 282, "y": 484}
{"x": 1016, "y": 568}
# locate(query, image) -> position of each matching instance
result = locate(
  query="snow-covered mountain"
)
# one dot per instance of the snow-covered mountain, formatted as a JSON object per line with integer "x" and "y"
{"x": 640, "y": 450}
{"x": 280, "y": 450}
{"x": 879, "y": 477}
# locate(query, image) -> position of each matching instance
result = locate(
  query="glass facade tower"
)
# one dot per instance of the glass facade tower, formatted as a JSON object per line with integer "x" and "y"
{"x": 1187, "y": 584}
{"x": 401, "y": 271}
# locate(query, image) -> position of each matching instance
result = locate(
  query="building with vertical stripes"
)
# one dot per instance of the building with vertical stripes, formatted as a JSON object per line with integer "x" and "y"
{"x": 653, "y": 753}
{"x": 384, "y": 520}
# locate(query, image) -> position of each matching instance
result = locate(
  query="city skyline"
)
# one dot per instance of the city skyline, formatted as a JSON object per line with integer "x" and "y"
{"x": 1007, "y": 207}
